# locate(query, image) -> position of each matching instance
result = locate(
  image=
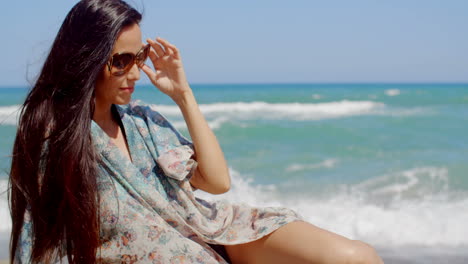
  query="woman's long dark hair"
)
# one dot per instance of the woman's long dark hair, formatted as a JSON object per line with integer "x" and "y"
{"x": 53, "y": 172}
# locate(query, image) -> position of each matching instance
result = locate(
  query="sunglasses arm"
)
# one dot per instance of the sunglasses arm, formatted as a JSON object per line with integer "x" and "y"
{"x": 109, "y": 64}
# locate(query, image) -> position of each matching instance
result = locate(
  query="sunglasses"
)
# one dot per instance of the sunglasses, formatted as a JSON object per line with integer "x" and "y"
{"x": 120, "y": 63}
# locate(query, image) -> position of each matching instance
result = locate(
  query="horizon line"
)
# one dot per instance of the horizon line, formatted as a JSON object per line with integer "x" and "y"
{"x": 304, "y": 83}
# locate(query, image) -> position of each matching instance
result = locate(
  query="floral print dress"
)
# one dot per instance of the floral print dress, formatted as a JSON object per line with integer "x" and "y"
{"x": 148, "y": 210}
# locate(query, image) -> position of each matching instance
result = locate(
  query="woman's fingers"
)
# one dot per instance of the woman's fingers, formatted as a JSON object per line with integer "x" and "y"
{"x": 147, "y": 69}
{"x": 167, "y": 45}
{"x": 175, "y": 51}
{"x": 154, "y": 57}
{"x": 159, "y": 50}
{"x": 169, "y": 49}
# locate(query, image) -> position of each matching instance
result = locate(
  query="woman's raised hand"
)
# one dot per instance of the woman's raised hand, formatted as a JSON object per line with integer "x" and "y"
{"x": 169, "y": 76}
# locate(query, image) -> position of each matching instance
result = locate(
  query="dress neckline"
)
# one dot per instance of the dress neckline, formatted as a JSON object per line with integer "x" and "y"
{"x": 119, "y": 116}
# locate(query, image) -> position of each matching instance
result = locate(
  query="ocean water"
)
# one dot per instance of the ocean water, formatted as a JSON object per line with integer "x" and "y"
{"x": 383, "y": 163}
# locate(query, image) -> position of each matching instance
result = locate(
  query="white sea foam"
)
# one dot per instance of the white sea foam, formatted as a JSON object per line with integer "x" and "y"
{"x": 328, "y": 163}
{"x": 416, "y": 183}
{"x": 434, "y": 220}
{"x": 427, "y": 221}
{"x": 290, "y": 111}
{"x": 9, "y": 115}
{"x": 392, "y": 92}
{"x": 243, "y": 190}
{"x": 218, "y": 114}
{"x": 212, "y": 123}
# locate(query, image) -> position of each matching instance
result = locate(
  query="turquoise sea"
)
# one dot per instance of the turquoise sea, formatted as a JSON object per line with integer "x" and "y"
{"x": 383, "y": 163}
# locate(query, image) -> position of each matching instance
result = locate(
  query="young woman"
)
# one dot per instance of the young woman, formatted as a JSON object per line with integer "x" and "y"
{"x": 96, "y": 177}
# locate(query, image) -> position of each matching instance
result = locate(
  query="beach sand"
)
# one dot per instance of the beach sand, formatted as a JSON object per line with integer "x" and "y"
{"x": 423, "y": 255}
{"x": 390, "y": 258}
{"x": 399, "y": 260}
{"x": 403, "y": 255}
{"x": 404, "y": 260}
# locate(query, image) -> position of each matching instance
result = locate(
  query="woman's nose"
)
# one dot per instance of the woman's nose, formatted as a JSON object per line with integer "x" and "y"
{"x": 134, "y": 73}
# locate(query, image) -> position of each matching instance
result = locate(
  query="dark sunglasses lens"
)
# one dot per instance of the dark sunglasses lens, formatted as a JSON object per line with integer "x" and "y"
{"x": 121, "y": 61}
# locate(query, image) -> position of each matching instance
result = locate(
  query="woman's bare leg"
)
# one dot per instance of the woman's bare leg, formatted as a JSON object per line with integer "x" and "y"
{"x": 301, "y": 242}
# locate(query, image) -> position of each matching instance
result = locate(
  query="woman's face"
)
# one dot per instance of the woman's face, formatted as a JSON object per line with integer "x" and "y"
{"x": 112, "y": 89}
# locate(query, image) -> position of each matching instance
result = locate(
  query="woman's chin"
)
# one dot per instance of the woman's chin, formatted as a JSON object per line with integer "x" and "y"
{"x": 123, "y": 100}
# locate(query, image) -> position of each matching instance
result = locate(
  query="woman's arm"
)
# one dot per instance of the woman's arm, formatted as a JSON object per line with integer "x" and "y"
{"x": 212, "y": 174}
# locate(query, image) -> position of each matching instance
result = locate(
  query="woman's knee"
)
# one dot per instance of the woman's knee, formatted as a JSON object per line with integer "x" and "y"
{"x": 358, "y": 252}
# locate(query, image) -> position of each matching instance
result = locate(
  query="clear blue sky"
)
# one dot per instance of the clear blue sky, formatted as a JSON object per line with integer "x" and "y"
{"x": 272, "y": 41}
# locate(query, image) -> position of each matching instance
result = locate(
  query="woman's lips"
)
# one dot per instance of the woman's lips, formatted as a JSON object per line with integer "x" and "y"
{"x": 128, "y": 89}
